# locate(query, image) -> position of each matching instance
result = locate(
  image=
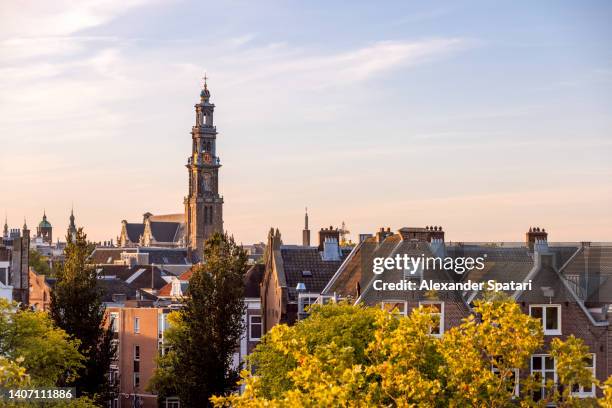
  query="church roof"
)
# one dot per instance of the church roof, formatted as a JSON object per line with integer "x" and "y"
{"x": 134, "y": 231}
{"x": 164, "y": 231}
{"x": 158, "y": 256}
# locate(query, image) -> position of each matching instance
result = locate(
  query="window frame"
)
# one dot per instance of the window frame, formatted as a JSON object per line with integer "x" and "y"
{"x": 251, "y": 338}
{"x": 590, "y": 394}
{"x": 548, "y": 332}
{"x": 441, "y": 323}
{"x": 114, "y": 322}
{"x": 517, "y": 380}
{"x": 136, "y": 325}
{"x": 544, "y": 370}
{"x": 171, "y": 401}
{"x": 395, "y": 302}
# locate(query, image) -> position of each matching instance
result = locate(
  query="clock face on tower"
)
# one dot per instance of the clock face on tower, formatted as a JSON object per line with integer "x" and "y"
{"x": 207, "y": 158}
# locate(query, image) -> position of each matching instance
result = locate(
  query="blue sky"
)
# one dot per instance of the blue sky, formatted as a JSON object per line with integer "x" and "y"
{"x": 483, "y": 117}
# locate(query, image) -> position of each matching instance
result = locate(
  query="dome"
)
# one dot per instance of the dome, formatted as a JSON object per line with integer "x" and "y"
{"x": 44, "y": 223}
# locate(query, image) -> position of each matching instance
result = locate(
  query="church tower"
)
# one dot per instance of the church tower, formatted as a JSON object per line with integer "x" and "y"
{"x": 306, "y": 231}
{"x": 203, "y": 204}
{"x": 72, "y": 230}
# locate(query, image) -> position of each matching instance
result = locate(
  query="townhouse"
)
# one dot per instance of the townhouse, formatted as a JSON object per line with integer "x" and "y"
{"x": 571, "y": 286}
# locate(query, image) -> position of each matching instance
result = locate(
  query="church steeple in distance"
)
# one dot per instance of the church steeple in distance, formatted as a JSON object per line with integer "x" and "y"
{"x": 203, "y": 204}
{"x": 5, "y": 231}
{"x": 72, "y": 226}
{"x": 306, "y": 231}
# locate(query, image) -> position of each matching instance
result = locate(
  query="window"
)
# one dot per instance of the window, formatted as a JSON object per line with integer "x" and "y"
{"x": 136, "y": 359}
{"x": 437, "y": 310}
{"x": 173, "y": 402}
{"x": 137, "y": 325}
{"x": 588, "y": 391}
{"x": 4, "y": 276}
{"x": 543, "y": 368}
{"x": 254, "y": 327}
{"x": 136, "y": 380}
{"x": 412, "y": 273}
{"x": 395, "y": 306}
{"x": 550, "y": 315}
{"x": 512, "y": 378}
{"x": 114, "y": 322}
{"x": 113, "y": 375}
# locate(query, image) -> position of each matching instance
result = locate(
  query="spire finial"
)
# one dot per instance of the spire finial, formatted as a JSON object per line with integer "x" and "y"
{"x": 205, "y": 93}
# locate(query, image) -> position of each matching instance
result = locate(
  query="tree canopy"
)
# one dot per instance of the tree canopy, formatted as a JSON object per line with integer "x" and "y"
{"x": 357, "y": 356}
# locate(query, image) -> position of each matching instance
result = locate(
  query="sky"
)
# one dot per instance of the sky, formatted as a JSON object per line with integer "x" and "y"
{"x": 483, "y": 117}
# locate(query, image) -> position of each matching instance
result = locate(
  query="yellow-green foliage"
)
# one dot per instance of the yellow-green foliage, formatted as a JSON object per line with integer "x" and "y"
{"x": 355, "y": 356}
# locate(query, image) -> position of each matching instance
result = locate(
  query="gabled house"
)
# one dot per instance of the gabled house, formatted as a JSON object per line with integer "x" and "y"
{"x": 567, "y": 286}
{"x": 356, "y": 280}
{"x": 295, "y": 275}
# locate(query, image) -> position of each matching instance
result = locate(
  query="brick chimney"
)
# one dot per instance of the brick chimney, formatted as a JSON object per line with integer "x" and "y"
{"x": 382, "y": 234}
{"x": 535, "y": 234}
{"x": 328, "y": 233}
{"x": 427, "y": 234}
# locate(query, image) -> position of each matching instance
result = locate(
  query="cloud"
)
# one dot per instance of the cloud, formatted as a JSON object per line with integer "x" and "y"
{"x": 32, "y": 18}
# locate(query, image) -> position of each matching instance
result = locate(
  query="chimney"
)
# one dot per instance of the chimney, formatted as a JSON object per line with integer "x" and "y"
{"x": 325, "y": 233}
{"x": 535, "y": 235}
{"x": 363, "y": 237}
{"x": 331, "y": 249}
{"x": 382, "y": 234}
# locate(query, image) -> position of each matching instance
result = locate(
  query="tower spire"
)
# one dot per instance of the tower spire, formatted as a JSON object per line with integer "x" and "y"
{"x": 5, "y": 232}
{"x": 306, "y": 231}
{"x": 205, "y": 93}
{"x": 71, "y": 226}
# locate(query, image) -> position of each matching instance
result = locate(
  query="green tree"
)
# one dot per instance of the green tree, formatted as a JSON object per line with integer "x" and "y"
{"x": 39, "y": 263}
{"x": 46, "y": 352}
{"x": 396, "y": 362}
{"x": 205, "y": 332}
{"x": 35, "y": 353}
{"x": 77, "y": 308}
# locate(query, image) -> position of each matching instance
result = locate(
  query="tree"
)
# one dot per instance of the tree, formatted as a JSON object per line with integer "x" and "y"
{"x": 35, "y": 353}
{"x": 77, "y": 308}
{"x": 39, "y": 263}
{"x": 46, "y": 352}
{"x": 396, "y": 362}
{"x": 204, "y": 334}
